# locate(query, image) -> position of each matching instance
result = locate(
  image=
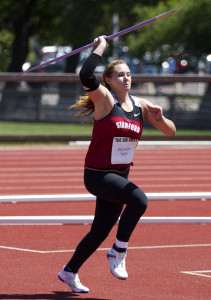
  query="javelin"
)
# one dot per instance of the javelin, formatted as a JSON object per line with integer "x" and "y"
{"x": 108, "y": 38}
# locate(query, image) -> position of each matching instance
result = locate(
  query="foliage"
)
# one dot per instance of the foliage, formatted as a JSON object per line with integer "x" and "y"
{"x": 6, "y": 38}
{"x": 187, "y": 31}
{"x": 24, "y": 19}
{"x": 76, "y": 23}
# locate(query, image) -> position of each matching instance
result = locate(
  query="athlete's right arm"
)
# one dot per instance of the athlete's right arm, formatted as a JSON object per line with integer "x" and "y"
{"x": 100, "y": 95}
{"x": 92, "y": 86}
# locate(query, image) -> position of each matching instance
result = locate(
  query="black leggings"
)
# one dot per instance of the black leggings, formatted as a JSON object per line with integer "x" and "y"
{"x": 112, "y": 190}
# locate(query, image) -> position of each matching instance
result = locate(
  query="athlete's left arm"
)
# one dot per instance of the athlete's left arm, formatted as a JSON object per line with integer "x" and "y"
{"x": 154, "y": 115}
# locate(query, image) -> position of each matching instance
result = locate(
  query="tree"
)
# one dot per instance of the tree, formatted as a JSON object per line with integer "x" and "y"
{"x": 24, "y": 19}
{"x": 188, "y": 30}
{"x": 64, "y": 22}
{"x": 76, "y": 23}
{"x": 181, "y": 35}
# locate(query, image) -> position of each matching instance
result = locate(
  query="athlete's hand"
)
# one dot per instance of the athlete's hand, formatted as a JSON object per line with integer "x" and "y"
{"x": 101, "y": 40}
{"x": 155, "y": 111}
{"x": 101, "y": 45}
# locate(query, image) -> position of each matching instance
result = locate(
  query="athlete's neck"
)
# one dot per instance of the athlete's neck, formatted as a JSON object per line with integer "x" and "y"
{"x": 124, "y": 101}
{"x": 121, "y": 97}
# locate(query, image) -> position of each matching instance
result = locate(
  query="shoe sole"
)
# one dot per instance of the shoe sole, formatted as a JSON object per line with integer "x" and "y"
{"x": 121, "y": 278}
{"x": 81, "y": 292}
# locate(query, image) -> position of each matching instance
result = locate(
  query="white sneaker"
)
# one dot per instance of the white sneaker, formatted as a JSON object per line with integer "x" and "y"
{"x": 73, "y": 281}
{"x": 117, "y": 263}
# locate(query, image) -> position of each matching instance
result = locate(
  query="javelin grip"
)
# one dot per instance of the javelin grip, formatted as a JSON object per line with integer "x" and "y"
{"x": 108, "y": 38}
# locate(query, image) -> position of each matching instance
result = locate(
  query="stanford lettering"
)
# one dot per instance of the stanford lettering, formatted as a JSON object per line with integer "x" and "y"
{"x": 127, "y": 125}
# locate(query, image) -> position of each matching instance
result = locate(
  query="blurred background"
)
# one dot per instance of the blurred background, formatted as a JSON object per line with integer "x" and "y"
{"x": 170, "y": 61}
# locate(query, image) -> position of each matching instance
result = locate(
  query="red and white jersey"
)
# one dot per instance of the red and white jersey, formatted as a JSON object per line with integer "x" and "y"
{"x": 115, "y": 137}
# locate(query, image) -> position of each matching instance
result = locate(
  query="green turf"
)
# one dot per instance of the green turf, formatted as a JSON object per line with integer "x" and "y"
{"x": 23, "y": 128}
{"x": 16, "y": 128}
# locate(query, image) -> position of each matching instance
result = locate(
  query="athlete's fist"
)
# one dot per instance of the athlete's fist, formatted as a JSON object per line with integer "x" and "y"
{"x": 155, "y": 111}
{"x": 101, "y": 40}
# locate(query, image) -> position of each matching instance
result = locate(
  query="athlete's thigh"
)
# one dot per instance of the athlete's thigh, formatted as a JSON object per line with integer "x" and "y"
{"x": 119, "y": 189}
{"x": 106, "y": 215}
{"x": 109, "y": 186}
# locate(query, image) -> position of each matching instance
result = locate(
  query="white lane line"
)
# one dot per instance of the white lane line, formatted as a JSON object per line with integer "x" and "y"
{"x": 67, "y": 188}
{"x": 133, "y": 173}
{"x": 198, "y": 273}
{"x": 106, "y": 249}
{"x": 136, "y": 167}
{"x": 89, "y": 197}
{"x": 21, "y": 249}
{"x": 15, "y": 220}
{"x": 142, "y": 247}
{"x": 45, "y": 180}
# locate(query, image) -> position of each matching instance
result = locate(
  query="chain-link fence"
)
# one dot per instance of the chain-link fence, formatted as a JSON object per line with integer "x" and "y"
{"x": 46, "y": 98}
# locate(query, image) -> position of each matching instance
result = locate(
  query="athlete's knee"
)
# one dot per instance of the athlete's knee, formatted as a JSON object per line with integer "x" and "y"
{"x": 140, "y": 200}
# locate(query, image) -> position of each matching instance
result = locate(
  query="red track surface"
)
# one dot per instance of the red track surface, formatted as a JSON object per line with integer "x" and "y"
{"x": 154, "y": 271}
{"x": 52, "y": 170}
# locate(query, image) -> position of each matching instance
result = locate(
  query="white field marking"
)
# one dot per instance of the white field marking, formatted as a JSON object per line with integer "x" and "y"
{"x": 164, "y": 157}
{"x": 21, "y": 249}
{"x": 43, "y": 154}
{"x": 48, "y": 187}
{"x": 47, "y": 156}
{"x": 90, "y": 197}
{"x": 47, "y": 198}
{"x": 81, "y": 187}
{"x": 180, "y": 178}
{"x": 169, "y": 167}
{"x": 44, "y": 160}
{"x": 106, "y": 249}
{"x": 186, "y": 159}
{"x": 150, "y": 174}
{"x": 77, "y": 163}
{"x": 179, "y": 185}
{"x": 136, "y": 167}
{"x": 54, "y": 159}
{"x": 64, "y": 168}
{"x": 45, "y": 180}
{"x": 198, "y": 273}
{"x": 37, "y": 163}
{"x": 79, "y": 179}
{"x": 14, "y": 175}
{"x": 155, "y": 143}
{"x": 33, "y": 147}
{"x": 142, "y": 247}
{"x": 161, "y": 172}
{"x": 133, "y": 173}
{"x": 42, "y": 220}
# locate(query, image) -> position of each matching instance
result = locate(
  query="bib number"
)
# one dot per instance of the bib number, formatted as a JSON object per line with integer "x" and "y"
{"x": 123, "y": 149}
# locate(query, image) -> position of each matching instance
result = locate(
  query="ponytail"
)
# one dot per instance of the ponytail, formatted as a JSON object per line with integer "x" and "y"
{"x": 86, "y": 103}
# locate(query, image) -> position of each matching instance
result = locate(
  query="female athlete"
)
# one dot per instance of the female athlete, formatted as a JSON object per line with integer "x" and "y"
{"x": 118, "y": 121}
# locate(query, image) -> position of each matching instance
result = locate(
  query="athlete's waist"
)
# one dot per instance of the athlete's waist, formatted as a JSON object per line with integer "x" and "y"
{"x": 116, "y": 170}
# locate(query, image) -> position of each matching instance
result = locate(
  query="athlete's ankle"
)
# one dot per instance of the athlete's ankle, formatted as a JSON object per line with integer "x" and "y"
{"x": 120, "y": 250}
{"x": 68, "y": 269}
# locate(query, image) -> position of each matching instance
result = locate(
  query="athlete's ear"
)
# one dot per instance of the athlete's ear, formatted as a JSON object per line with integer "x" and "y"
{"x": 107, "y": 80}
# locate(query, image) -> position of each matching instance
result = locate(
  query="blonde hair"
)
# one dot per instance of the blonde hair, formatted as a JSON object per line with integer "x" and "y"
{"x": 85, "y": 101}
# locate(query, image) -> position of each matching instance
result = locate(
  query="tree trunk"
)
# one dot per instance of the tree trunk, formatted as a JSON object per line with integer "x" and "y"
{"x": 11, "y": 95}
{"x": 20, "y": 46}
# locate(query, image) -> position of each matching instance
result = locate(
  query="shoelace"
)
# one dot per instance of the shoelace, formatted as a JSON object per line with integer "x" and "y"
{"x": 122, "y": 256}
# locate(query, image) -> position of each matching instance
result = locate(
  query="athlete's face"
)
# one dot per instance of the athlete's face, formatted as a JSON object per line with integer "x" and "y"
{"x": 120, "y": 78}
